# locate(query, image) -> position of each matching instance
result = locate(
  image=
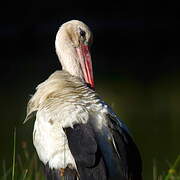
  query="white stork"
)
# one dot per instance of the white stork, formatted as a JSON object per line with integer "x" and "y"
{"x": 76, "y": 134}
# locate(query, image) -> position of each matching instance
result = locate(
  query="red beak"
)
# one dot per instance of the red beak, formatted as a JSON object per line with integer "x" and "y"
{"x": 86, "y": 64}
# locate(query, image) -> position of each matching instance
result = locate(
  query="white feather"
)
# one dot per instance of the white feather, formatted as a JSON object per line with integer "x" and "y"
{"x": 51, "y": 142}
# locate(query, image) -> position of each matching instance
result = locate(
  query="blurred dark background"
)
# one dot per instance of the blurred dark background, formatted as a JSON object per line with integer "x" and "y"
{"x": 136, "y": 66}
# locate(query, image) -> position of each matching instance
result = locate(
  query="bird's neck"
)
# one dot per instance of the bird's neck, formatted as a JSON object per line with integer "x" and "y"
{"x": 68, "y": 56}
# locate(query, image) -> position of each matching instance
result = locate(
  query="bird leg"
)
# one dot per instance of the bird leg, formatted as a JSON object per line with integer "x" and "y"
{"x": 68, "y": 170}
{"x": 62, "y": 170}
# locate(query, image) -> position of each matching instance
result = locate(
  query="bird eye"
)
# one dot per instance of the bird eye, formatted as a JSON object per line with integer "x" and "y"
{"x": 82, "y": 33}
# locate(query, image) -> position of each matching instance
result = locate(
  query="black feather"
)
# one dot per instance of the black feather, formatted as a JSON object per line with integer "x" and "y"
{"x": 97, "y": 158}
{"x": 87, "y": 154}
{"x": 130, "y": 159}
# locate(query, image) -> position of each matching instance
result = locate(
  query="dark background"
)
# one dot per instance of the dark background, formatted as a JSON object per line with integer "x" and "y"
{"x": 136, "y": 64}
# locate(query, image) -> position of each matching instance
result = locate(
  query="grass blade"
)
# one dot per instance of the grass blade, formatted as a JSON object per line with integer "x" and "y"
{"x": 26, "y": 171}
{"x": 14, "y": 154}
{"x": 155, "y": 177}
{"x": 4, "y": 170}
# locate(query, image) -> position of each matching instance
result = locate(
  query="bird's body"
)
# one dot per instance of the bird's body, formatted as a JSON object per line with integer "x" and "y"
{"x": 76, "y": 134}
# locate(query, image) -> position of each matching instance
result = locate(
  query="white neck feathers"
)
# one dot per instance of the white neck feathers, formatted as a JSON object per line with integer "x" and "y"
{"x": 67, "y": 53}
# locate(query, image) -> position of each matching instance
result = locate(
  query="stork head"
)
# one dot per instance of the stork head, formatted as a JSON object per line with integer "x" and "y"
{"x": 72, "y": 47}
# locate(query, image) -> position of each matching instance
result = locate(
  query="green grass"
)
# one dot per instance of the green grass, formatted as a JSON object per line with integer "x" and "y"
{"x": 14, "y": 154}
{"x": 27, "y": 167}
{"x": 24, "y": 166}
{"x": 173, "y": 173}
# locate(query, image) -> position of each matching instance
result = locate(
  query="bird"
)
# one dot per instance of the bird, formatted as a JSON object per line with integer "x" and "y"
{"x": 78, "y": 136}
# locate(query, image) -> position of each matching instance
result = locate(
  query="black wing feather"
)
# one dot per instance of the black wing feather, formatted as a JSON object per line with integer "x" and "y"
{"x": 99, "y": 159}
{"x": 130, "y": 159}
{"x": 86, "y": 152}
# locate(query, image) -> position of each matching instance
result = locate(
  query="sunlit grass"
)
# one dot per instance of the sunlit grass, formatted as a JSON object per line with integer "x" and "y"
{"x": 14, "y": 154}
{"x": 26, "y": 166}
{"x": 173, "y": 173}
